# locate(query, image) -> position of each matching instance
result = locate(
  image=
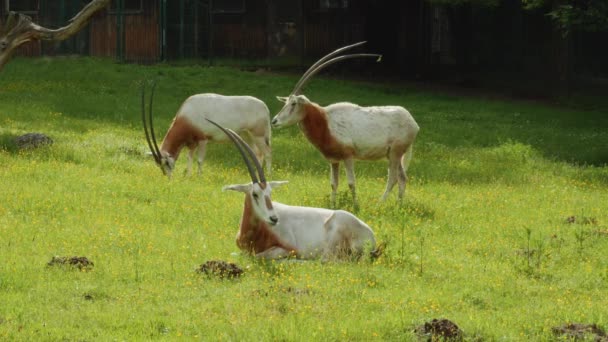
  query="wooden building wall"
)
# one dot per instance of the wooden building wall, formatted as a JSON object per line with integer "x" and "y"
{"x": 328, "y": 28}
{"x": 141, "y": 34}
{"x": 141, "y": 43}
{"x": 416, "y": 37}
{"x": 277, "y": 28}
{"x": 241, "y": 34}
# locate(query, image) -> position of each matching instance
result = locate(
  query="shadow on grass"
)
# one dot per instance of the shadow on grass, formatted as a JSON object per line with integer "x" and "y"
{"x": 7, "y": 143}
{"x": 109, "y": 92}
{"x": 509, "y": 163}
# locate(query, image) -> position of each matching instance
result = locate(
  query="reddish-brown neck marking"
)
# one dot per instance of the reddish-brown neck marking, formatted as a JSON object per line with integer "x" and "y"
{"x": 181, "y": 133}
{"x": 316, "y": 128}
{"x": 254, "y": 235}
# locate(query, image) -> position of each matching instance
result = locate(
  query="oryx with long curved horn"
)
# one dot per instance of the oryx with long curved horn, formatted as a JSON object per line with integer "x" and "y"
{"x": 347, "y": 132}
{"x": 244, "y": 114}
{"x": 272, "y": 230}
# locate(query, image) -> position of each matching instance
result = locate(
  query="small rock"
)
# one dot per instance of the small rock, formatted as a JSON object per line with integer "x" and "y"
{"x": 32, "y": 140}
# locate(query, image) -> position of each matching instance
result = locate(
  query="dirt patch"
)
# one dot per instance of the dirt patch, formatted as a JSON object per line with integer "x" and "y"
{"x": 82, "y": 263}
{"x": 295, "y": 291}
{"x": 582, "y": 220}
{"x": 220, "y": 269}
{"x": 525, "y": 252}
{"x": 602, "y": 232}
{"x": 131, "y": 151}
{"x": 32, "y": 140}
{"x": 578, "y": 331}
{"x": 439, "y": 330}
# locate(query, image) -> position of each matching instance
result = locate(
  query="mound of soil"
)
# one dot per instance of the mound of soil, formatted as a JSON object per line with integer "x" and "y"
{"x": 32, "y": 140}
{"x": 82, "y": 263}
{"x": 578, "y": 331}
{"x": 220, "y": 269}
{"x": 439, "y": 330}
{"x": 582, "y": 220}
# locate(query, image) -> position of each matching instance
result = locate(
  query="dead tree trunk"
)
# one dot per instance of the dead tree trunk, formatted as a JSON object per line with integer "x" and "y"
{"x": 19, "y": 29}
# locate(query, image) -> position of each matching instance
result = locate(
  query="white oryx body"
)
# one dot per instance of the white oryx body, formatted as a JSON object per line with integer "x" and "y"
{"x": 346, "y": 132}
{"x": 246, "y": 115}
{"x": 303, "y": 232}
{"x": 272, "y": 230}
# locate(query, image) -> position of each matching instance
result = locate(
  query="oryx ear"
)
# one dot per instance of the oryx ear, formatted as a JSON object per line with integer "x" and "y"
{"x": 276, "y": 184}
{"x": 302, "y": 99}
{"x": 282, "y": 99}
{"x": 245, "y": 188}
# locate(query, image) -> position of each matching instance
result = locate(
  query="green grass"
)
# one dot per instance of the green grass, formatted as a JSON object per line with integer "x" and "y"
{"x": 482, "y": 237}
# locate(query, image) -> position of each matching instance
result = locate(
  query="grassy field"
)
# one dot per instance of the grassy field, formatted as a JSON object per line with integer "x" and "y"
{"x": 504, "y": 229}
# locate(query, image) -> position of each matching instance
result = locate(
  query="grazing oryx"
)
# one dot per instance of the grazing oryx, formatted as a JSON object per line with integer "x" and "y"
{"x": 345, "y": 131}
{"x": 273, "y": 230}
{"x": 244, "y": 114}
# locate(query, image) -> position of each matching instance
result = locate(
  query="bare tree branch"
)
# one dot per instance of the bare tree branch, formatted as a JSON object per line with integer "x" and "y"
{"x": 19, "y": 29}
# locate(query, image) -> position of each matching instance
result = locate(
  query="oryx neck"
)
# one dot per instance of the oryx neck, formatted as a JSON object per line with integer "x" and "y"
{"x": 255, "y": 235}
{"x": 315, "y": 126}
{"x": 181, "y": 133}
{"x": 249, "y": 221}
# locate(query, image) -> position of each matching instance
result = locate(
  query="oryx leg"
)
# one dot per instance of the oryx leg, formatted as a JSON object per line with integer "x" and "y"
{"x": 394, "y": 171}
{"x": 347, "y": 237}
{"x": 202, "y": 149}
{"x": 349, "y": 165}
{"x": 335, "y": 240}
{"x": 274, "y": 253}
{"x": 402, "y": 178}
{"x": 334, "y": 174}
{"x": 261, "y": 147}
{"x": 188, "y": 170}
{"x": 405, "y": 161}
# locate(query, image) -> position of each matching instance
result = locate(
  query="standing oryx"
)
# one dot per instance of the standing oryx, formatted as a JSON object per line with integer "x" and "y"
{"x": 244, "y": 114}
{"x": 345, "y": 131}
{"x": 273, "y": 230}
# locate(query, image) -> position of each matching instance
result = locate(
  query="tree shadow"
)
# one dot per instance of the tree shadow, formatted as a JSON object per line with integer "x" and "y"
{"x": 8, "y": 144}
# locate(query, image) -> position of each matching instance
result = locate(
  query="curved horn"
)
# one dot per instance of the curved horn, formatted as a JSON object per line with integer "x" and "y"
{"x": 240, "y": 148}
{"x": 332, "y": 61}
{"x": 152, "y": 124}
{"x": 256, "y": 162}
{"x": 300, "y": 83}
{"x": 143, "y": 118}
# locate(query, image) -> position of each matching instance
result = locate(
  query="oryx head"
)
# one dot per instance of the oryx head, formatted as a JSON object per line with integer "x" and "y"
{"x": 259, "y": 190}
{"x": 292, "y": 111}
{"x": 163, "y": 159}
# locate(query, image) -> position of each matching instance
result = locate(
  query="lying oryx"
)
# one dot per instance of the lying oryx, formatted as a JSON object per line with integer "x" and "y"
{"x": 347, "y": 132}
{"x": 244, "y": 114}
{"x": 272, "y": 230}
